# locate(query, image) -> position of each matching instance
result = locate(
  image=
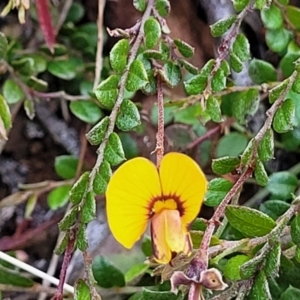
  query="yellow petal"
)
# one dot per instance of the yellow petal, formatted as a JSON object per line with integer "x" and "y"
{"x": 128, "y": 198}
{"x": 181, "y": 176}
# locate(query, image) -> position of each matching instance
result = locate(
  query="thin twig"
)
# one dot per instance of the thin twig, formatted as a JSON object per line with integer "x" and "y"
{"x": 208, "y": 134}
{"x": 98, "y": 66}
{"x": 34, "y": 271}
{"x": 37, "y": 288}
{"x": 215, "y": 220}
{"x": 63, "y": 15}
{"x": 223, "y": 49}
{"x": 160, "y": 126}
{"x": 59, "y": 94}
{"x": 63, "y": 271}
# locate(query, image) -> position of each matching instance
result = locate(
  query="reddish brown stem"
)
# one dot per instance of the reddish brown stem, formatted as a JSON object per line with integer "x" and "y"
{"x": 219, "y": 213}
{"x": 208, "y": 134}
{"x": 64, "y": 267}
{"x": 160, "y": 126}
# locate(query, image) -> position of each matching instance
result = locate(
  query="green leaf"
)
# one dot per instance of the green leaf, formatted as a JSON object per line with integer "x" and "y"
{"x": 231, "y": 144}
{"x": 152, "y": 32}
{"x": 164, "y": 49}
{"x": 82, "y": 291}
{"x": 171, "y": 74}
{"x": 260, "y": 173}
{"x": 217, "y": 190}
{"x": 196, "y": 84}
{"x": 168, "y": 114}
{"x": 75, "y": 13}
{"x": 273, "y": 261}
{"x": 62, "y": 244}
{"x": 261, "y": 71}
{"x": 184, "y": 48}
{"x": 296, "y": 84}
{"x": 39, "y": 62}
{"x": 272, "y": 17}
{"x": 3, "y": 45}
{"x": 5, "y": 115}
{"x": 188, "y": 66}
{"x": 150, "y": 87}
{"x": 284, "y": 117}
{"x": 199, "y": 225}
{"x": 69, "y": 219}
{"x": 240, "y": 4}
{"x": 88, "y": 210}
{"x": 277, "y": 91}
{"x": 12, "y": 93}
{"x": 274, "y": 208}
{"x": 260, "y": 4}
{"x": 213, "y": 108}
{"x": 96, "y": 135}
{"x": 232, "y": 267}
{"x": 188, "y": 115}
{"x": 290, "y": 293}
{"x": 287, "y": 63}
{"x": 140, "y": 5}
{"x": 291, "y": 139}
{"x": 222, "y": 26}
{"x": 295, "y": 229}
{"x": 246, "y": 104}
{"x": 118, "y": 55}
{"x": 247, "y": 155}
{"x": 58, "y": 197}
{"x": 114, "y": 152}
{"x": 266, "y": 146}
{"x": 79, "y": 188}
{"x": 128, "y": 116}
{"x": 63, "y": 69}
{"x": 218, "y": 82}
{"x": 9, "y": 277}
{"x": 277, "y": 39}
{"x": 107, "y": 91}
{"x": 137, "y": 76}
{"x": 130, "y": 146}
{"x": 260, "y": 289}
{"x": 37, "y": 84}
{"x": 136, "y": 271}
{"x": 23, "y": 65}
{"x": 65, "y": 166}
{"x": 154, "y": 295}
{"x": 235, "y": 62}
{"x": 147, "y": 246}
{"x": 241, "y": 47}
{"x": 106, "y": 274}
{"x": 225, "y": 67}
{"x": 282, "y": 184}
{"x": 225, "y": 165}
{"x": 82, "y": 242}
{"x": 163, "y": 7}
{"x": 86, "y": 111}
{"x": 153, "y": 54}
{"x": 249, "y": 221}
{"x": 102, "y": 178}
{"x": 293, "y": 15}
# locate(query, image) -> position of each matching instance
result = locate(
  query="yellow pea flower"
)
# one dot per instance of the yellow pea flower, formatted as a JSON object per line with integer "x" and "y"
{"x": 169, "y": 197}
